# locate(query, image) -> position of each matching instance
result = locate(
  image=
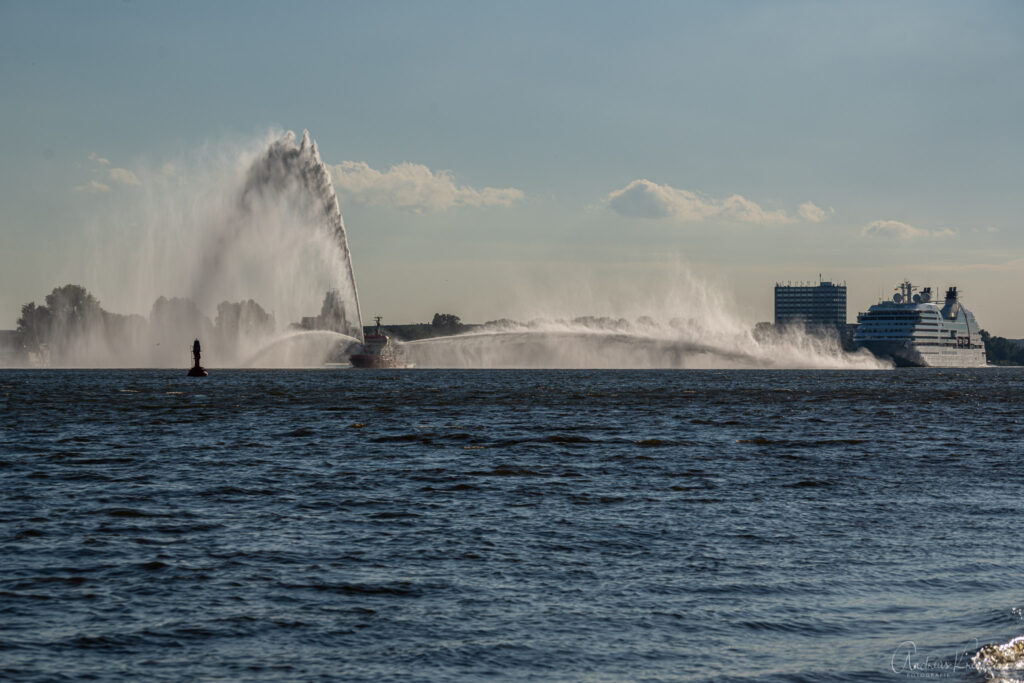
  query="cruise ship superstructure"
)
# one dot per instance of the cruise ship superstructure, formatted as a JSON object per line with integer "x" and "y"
{"x": 912, "y": 330}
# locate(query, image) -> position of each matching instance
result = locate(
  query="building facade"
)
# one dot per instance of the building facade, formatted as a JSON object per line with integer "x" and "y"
{"x": 813, "y": 306}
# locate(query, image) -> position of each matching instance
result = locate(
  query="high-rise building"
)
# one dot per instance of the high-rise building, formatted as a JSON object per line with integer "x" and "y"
{"x": 820, "y": 305}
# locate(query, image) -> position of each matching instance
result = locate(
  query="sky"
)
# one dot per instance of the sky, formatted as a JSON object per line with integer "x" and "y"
{"x": 494, "y": 158}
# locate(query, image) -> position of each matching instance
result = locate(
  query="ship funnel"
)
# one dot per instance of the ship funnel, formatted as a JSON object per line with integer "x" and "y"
{"x": 951, "y": 308}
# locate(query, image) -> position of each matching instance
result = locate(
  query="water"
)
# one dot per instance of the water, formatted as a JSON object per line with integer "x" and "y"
{"x": 517, "y": 525}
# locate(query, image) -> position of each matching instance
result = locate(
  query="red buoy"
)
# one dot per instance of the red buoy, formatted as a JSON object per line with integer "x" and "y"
{"x": 197, "y": 369}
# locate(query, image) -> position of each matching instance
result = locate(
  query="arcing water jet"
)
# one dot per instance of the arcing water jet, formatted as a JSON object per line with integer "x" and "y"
{"x": 625, "y": 345}
{"x": 286, "y": 167}
{"x": 220, "y": 233}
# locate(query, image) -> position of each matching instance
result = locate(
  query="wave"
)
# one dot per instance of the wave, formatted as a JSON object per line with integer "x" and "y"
{"x": 998, "y": 660}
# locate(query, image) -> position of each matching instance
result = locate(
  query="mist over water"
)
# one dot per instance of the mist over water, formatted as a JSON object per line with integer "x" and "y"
{"x": 634, "y": 345}
{"x": 684, "y": 321}
{"x": 238, "y": 245}
{"x": 232, "y": 246}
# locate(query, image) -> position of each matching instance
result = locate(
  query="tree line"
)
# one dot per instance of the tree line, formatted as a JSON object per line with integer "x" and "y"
{"x": 1003, "y": 351}
{"x": 71, "y": 327}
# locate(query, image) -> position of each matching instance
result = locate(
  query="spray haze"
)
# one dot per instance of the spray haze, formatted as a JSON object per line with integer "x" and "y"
{"x": 239, "y": 243}
{"x": 579, "y": 345}
{"x": 287, "y": 170}
{"x": 232, "y": 245}
{"x": 686, "y": 323}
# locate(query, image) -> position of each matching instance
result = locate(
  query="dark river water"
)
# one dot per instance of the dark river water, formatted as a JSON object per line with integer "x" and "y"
{"x": 517, "y": 525}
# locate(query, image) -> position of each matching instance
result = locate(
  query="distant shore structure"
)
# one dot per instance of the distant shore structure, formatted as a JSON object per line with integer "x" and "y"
{"x": 812, "y": 305}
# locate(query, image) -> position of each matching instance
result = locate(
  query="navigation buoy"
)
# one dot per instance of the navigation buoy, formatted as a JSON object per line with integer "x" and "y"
{"x": 197, "y": 369}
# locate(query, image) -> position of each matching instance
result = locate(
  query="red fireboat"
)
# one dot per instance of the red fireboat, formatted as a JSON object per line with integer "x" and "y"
{"x": 197, "y": 369}
{"x": 378, "y": 351}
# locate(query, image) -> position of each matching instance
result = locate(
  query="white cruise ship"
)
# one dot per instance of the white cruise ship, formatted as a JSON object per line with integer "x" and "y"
{"x": 911, "y": 330}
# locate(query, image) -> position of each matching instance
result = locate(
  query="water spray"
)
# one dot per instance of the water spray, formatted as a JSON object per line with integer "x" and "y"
{"x": 286, "y": 166}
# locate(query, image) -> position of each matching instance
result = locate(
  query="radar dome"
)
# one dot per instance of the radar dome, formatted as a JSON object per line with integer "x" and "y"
{"x": 926, "y": 297}
{"x": 917, "y": 298}
{"x": 897, "y": 297}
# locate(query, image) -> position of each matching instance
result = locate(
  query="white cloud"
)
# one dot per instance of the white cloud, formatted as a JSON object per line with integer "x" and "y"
{"x": 644, "y": 199}
{"x": 811, "y": 213}
{"x": 413, "y": 187}
{"x": 104, "y": 176}
{"x": 93, "y": 186}
{"x": 124, "y": 176}
{"x": 901, "y": 231}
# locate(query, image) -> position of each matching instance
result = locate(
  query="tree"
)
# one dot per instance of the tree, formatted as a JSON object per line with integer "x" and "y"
{"x": 245, "y": 319}
{"x": 1001, "y": 351}
{"x": 72, "y": 304}
{"x": 176, "y": 322}
{"x": 447, "y": 323}
{"x": 332, "y": 313}
{"x": 34, "y": 325}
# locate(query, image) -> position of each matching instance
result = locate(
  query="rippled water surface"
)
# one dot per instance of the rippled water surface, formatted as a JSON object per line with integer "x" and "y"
{"x": 480, "y": 525}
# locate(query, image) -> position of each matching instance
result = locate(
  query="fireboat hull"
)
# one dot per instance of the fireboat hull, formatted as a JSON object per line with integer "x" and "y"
{"x": 377, "y": 351}
{"x": 368, "y": 360}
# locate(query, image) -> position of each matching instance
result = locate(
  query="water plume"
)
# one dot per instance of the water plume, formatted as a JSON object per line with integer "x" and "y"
{"x": 305, "y": 349}
{"x": 250, "y": 233}
{"x": 632, "y": 346}
{"x": 255, "y": 233}
{"x": 286, "y": 168}
{"x": 681, "y": 322}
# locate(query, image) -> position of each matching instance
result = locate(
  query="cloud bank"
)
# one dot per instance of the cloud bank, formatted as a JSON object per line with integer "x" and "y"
{"x": 645, "y": 199}
{"x": 106, "y": 175}
{"x": 413, "y": 187}
{"x": 93, "y": 186}
{"x": 124, "y": 176}
{"x": 811, "y": 213}
{"x": 898, "y": 230}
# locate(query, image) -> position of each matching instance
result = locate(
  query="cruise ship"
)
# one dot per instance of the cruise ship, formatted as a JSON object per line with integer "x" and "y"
{"x": 912, "y": 330}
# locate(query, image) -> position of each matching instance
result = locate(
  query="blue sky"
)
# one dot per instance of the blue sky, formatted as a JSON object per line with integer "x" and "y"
{"x": 751, "y": 142}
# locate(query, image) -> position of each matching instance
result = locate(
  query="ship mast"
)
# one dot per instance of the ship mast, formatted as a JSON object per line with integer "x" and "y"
{"x": 907, "y": 290}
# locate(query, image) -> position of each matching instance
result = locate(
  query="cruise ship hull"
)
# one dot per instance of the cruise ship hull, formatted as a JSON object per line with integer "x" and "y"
{"x": 901, "y": 355}
{"x": 910, "y": 356}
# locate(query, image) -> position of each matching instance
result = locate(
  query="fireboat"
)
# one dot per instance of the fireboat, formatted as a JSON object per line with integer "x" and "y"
{"x": 378, "y": 351}
{"x": 197, "y": 369}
